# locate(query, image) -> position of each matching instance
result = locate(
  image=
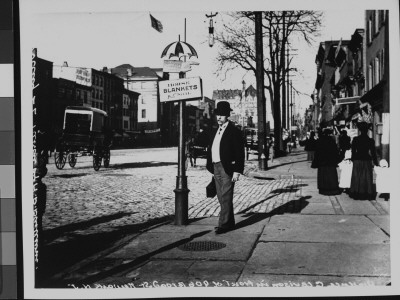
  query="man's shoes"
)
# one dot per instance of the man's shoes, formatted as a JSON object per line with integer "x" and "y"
{"x": 219, "y": 230}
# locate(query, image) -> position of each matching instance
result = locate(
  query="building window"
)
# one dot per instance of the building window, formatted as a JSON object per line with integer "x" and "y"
{"x": 369, "y": 33}
{"x": 370, "y": 76}
{"x": 143, "y": 113}
{"x": 382, "y": 62}
{"x": 377, "y": 71}
{"x": 101, "y": 95}
{"x": 126, "y": 124}
{"x": 377, "y": 22}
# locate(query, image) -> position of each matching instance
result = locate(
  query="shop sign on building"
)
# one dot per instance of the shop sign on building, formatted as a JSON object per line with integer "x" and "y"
{"x": 181, "y": 89}
{"x": 84, "y": 76}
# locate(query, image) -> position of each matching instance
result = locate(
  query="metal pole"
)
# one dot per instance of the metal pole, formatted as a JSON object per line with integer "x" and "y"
{"x": 262, "y": 157}
{"x": 287, "y": 87}
{"x": 181, "y": 190}
{"x": 283, "y": 72}
{"x": 291, "y": 105}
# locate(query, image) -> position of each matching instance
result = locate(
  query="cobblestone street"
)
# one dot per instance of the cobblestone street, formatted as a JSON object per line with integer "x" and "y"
{"x": 138, "y": 187}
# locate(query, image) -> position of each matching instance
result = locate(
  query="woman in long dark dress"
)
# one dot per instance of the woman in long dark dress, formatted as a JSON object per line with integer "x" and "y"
{"x": 363, "y": 155}
{"x": 310, "y": 145}
{"x": 327, "y": 158}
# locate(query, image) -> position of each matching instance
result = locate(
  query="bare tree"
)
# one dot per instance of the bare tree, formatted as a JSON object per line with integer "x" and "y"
{"x": 237, "y": 49}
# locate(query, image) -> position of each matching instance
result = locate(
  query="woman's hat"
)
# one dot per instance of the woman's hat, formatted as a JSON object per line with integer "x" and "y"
{"x": 223, "y": 109}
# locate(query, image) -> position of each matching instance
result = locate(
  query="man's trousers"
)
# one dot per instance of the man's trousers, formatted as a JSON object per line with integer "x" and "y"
{"x": 225, "y": 186}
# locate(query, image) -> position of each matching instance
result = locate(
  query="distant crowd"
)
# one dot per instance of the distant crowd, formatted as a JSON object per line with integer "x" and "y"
{"x": 330, "y": 148}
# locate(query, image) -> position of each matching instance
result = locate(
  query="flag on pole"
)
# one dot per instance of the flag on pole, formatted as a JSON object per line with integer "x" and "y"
{"x": 156, "y": 24}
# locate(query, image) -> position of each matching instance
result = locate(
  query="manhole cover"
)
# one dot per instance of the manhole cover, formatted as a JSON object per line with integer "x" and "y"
{"x": 202, "y": 246}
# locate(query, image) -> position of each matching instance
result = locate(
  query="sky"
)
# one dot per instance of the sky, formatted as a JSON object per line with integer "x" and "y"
{"x": 97, "y": 36}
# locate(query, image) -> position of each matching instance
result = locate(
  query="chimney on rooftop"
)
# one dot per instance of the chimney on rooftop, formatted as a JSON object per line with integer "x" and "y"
{"x": 65, "y": 64}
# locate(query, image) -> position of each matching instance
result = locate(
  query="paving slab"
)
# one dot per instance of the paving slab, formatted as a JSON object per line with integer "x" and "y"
{"x": 326, "y": 228}
{"x": 313, "y": 196}
{"x": 382, "y": 222}
{"x": 183, "y": 229}
{"x": 340, "y": 259}
{"x": 152, "y": 244}
{"x": 356, "y": 207}
{"x": 238, "y": 247}
{"x": 385, "y": 204}
{"x": 276, "y": 280}
{"x": 318, "y": 208}
{"x": 177, "y": 273}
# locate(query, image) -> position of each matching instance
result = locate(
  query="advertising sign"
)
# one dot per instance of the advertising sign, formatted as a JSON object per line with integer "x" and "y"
{"x": 84, "y": 76}
{"x": 181, "y": 89}
{"x": 172, "y": 66}
{"x": 176, "y": 66}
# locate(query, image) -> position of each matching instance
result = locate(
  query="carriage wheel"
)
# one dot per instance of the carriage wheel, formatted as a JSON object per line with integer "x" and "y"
{"x": 96, "y": 161}
{"x": 72, "y": 160}
{"x": 106, "y": 158}
{"x": 60, "y": 159}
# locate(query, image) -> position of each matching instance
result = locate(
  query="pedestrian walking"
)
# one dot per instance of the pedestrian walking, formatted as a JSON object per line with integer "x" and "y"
{"x": 271, "y": 147}
{"x": 344, "y": 143}
{"x": 326, "y": 159}
{"x": 363, "y": 156}
{"x": 310, "y": 146}
{"x": 225, "y": 159}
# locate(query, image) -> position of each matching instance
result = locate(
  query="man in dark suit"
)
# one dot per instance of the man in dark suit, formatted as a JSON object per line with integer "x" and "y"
{"x": 225, "y": 159}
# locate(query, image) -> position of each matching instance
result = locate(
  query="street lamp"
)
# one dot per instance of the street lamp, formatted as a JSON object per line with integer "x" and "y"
{"x": 211, "y": 29}
{"x": 181, "y": 191}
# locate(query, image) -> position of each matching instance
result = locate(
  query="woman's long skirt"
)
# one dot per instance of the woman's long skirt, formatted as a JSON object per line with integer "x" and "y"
{"x": 328, "y": 183}
{"x": 310, "y": 155}
{"x": 362, "y": 187}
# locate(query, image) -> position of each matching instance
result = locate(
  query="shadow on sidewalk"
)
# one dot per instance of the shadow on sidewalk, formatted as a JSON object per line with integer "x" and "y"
{"x": 121, "y": 268}
{"x": 56, "y": 257}
{"x": 284, "y": 164}
{"x": 140, "y": 165}
{"x": 293, "y": 206}
{"x": 54, "y": 233}
{"x": 272, "y": 194}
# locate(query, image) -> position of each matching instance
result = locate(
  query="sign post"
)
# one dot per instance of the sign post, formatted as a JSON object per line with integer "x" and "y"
{"x": 182, "y": 90}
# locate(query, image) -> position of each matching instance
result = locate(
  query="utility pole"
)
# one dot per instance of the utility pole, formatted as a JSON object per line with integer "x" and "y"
{"x": 291, "y": 106}
{"x": 262, "y": 157}
{"x": 283, "y": 70}
{"x": 287, "y": 88}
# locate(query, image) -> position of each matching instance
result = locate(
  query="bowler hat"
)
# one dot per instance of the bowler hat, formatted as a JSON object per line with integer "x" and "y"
{"x": 223, "y": 109}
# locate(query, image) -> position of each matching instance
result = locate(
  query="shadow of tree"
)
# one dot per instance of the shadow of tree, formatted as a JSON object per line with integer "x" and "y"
{"x": 273, "y": 193}
{"x": 146, "y": 164}
{"x": 55, "y": 257}
{"x": 51, "y": 234}
{"x": 69, "y": 175}
{"x": 284, "y": 164}
{"x": 293, "y": 206}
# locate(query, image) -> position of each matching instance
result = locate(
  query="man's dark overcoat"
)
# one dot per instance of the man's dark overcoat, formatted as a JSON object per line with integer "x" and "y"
{"x": 231, "y": 150}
